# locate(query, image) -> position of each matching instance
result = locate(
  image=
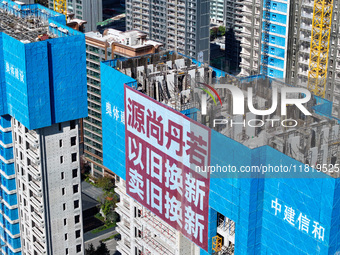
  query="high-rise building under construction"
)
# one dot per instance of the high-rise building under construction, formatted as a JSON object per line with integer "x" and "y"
{"x": 296, "y": 41}
{"x": 43, "y": 94}
{"x": 247, "y": 205}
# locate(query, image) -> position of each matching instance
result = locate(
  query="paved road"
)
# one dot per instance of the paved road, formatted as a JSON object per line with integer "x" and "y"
{"x": 96, "y": 238}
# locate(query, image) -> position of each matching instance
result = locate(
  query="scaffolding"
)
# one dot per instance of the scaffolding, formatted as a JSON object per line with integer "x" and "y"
{"x": 319, "y": 46}
{"x": 147, "y": 237}
{"x": 216, "y": 243}
{"x": 158, "y": 225}
{"x": 27, "y": 25}
{"x": 60, "y": 6}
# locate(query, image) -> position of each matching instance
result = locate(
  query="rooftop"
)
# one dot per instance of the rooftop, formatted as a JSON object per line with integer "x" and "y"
{"x": 132, "y": 38}
{"x": 31, "y": 23}
{"x": 26, "y": 29}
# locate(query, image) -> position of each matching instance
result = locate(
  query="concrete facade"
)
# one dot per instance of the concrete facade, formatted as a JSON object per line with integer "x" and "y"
{"x": 181, "y": 26}
{"x": 48, "y": 188}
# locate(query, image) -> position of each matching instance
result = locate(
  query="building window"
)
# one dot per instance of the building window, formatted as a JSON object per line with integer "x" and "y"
{"x": 76, "y": 219}
{"x": 78, "y": 248}
{"x": 274, "y": 17}
{"x": 59, "y": 126}
{"x": 64, "y": 206}
{"x": 73, "y": 141}
{"x": 64, "y": 222}
{"x": 65, "y": 237}
{"x": 75, "y": 188}
{"x": 62, "y": 175}
{"x": 63, "y": 191}
{"x": 66, "y": 251}
{"x": 76, "y": 204}
{"x": 61, "y": 159}
{"x": 77, "y": 233}
{"x": 74, "y": 157}
{"x": 274, "y": 6}
{"x": 60, "y": 143}
{"x": 74, "y": 173}
{"x": 72, "y": 124}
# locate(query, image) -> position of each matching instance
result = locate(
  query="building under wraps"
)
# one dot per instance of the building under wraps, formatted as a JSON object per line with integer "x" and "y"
{"x": 43, "y": 94}
{"x": 273, "y": 181}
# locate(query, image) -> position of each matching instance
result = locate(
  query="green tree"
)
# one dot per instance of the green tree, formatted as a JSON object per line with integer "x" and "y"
{"x": 102, "y": 249}
{"x": 221, "y": 30}
{"x": 108, "y": 206}
{"x": 213, "y": 33}
{"x": 106, "y": 183}
{"x": 90, "y": 250}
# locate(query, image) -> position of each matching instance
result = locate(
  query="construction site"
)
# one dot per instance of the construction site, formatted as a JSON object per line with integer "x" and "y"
{"x": 289, "y": 51}
{"x": 293, "y": 139}
{"x": 176, "y": 81}
{"x": 25, "y": 25}
{"x": 43, "y": 94}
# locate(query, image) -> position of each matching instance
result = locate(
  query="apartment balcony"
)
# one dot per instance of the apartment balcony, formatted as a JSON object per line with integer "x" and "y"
{"x": 154, "y": 246}
{"x": 39, "y": 247}
{"x": 246, "y": 9}
{"x": 123, "y": 229}
{"x": 246, "y": 42}
{"x": 35, "y": 187}
{"x": 37, "y": 204}
{"x": 32, "y": 137}
{"x": 39, "y": 234}
{"x": 158, "y": 227}
{"x": 124, "y": 248}
{"x": 303, "y": 61}
{"x": 245, "y": 52}
{"x": 304, "y": 50}
{"x": 124, "y": 210}
{"x": 308, "y": 4}
{"x": 33, "y": 154}
{"x": 306, "y": 26}
{"x": 37, "y": 218}
{"x": 307, "y": 15}
{"x": 246, "y": 20}
{"x": 247, "y": 2}
{"x": 181, "y": 10}
{"x": 137, "y": 221}
{"x": 245, "y": 62}
{"x": 171, "y": 14}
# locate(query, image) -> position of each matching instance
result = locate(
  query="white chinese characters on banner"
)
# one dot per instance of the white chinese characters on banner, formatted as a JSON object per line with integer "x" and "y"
{"x": 14, "y": 72}
{"x": 162, "y": 148}
{"x": 302, "y": 222}
{"x": 114, "y": 112}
